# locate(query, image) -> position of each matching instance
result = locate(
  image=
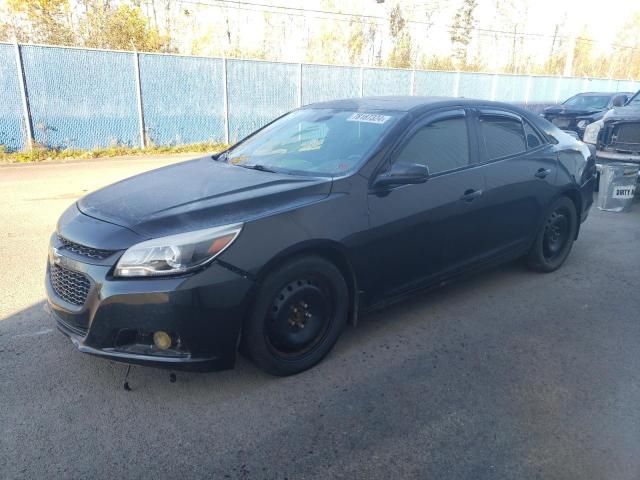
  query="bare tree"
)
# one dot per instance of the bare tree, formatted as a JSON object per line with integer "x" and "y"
{"x": 461, "y": 30}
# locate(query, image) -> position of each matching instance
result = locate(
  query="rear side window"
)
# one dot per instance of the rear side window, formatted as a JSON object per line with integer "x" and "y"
{"x": 442, "y": 146}
{"x": 502, "y": 136}
{"x": 533, "y": 139}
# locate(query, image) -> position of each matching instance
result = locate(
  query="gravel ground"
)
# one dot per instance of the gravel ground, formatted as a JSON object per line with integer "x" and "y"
{"x": 507, "y": 374}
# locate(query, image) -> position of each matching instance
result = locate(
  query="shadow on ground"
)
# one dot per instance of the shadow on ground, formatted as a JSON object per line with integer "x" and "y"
{"x": 507, "y": 374}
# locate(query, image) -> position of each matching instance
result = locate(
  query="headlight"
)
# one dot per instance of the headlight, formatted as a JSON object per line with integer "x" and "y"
{"x": 591, "y": 133}
{"x": 176, "y": 253}
{"x": 582, "y": 124}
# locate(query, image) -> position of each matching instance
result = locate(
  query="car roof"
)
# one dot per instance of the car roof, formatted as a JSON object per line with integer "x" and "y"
{"x": 409, "y": 104}
{"x": 594, "y": 94}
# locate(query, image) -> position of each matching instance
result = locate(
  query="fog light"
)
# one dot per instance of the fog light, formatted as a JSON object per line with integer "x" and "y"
{"x": 162, "y": 340}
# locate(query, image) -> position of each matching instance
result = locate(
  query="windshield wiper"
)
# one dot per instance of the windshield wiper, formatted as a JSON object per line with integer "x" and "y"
{"x": 261, "y": 168}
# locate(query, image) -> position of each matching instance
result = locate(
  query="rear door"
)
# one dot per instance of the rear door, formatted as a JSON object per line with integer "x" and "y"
{"x": 519, "y": 167}
{"x": 419, "y": 231}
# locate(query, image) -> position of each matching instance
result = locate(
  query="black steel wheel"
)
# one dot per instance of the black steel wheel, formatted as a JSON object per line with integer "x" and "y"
{"x": 299, "y": 313}
{"x": 555, "y": 237}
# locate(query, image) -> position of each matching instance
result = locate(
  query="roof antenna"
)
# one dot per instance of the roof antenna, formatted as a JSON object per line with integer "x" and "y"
{"x": 126, "y": 376}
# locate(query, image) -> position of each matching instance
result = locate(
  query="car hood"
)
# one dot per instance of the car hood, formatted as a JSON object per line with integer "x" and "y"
{"x": 623, "y": 113}
{"x": 571, "y": 111}
{"x": 197, "y": 194}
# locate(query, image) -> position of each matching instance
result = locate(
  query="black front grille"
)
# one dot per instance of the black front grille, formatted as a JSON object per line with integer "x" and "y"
{"x": 84, "y": 250}
{"x": 73, "y": 287}
{"x": 622, "y": 137}
{"x": 628, "y": 133}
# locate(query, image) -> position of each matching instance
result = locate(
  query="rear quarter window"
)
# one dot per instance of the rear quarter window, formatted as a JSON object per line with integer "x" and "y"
{"x": 533, "y": 139}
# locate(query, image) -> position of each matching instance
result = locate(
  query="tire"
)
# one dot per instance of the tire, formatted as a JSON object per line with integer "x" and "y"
{"x": 298, "y": 315}
{"x": 555, "y": 238}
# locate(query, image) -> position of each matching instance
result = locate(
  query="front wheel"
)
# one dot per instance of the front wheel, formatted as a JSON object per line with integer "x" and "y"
{"x": 299, "y": 313}
{"x": 555, "y": 237}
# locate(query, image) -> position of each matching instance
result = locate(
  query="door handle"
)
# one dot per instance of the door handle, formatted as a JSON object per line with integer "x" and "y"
{"x": 470, "y": 195}
{"x": 542, "y": 172}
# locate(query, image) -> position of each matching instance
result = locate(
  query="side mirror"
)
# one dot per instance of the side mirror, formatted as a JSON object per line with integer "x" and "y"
{"x": 402, "y": 174}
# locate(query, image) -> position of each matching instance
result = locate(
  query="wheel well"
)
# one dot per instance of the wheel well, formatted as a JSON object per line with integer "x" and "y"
{"x": 331, "y": 254}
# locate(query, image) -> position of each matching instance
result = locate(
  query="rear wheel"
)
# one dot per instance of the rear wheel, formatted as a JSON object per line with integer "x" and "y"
{"x": 299, "y": 313}
{"x": 555, "y": 237}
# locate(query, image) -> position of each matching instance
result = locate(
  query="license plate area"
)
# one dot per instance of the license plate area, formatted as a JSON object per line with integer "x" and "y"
{"x": 561, "y": 122}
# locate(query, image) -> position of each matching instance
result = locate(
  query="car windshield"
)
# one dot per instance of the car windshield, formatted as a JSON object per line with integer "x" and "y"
{"x": 588, "y": 101}
{"x": 318, "y": 141}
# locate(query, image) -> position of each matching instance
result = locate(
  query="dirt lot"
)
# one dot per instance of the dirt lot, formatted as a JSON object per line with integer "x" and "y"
{"x": 505, "y": 375}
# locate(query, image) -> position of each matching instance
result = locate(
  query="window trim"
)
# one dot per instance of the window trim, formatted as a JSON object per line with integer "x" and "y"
{"x": 424, "y": 120}
{"x": 499, "y": 112}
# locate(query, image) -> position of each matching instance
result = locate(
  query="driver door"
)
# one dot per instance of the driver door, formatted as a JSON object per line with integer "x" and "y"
{"x": 424, "y": 231}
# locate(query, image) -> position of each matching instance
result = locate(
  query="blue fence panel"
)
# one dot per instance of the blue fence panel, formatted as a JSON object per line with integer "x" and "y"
{"x": 12, "y": 128}
{"x": 598, "y": 85}
{"x": 569, "y": 87}
{"x": 182, "y": 99}
{"x": 258, "y": 92}
{"x": 321, "y": 82}
{"x": 87, "y": 98}
{"x": 384, "y": 81}
{"x": 627, "y": 86}
{"x": 511, "y": 88}
{"x": 475, "y": 85}
{"x": 439, "y": 84}
{"x": 543, "y": 89}
{"x": 81, "y": 98}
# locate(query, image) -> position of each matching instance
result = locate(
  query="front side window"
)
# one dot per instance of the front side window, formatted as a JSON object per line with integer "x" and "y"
{"x": 314, "y": 141}
{"x": 442, "y": 145}
{"x": 502, "y": 136}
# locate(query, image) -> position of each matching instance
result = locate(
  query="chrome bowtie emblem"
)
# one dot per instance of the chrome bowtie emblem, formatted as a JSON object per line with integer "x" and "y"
{"x": 56, "y": 258}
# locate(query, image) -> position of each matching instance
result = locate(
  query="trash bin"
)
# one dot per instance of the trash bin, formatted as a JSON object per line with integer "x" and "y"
{"x": 617, "y": 186}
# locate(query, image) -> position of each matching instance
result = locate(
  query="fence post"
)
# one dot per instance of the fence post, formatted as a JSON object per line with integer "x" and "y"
{"x": 225, "y": 95}
{"x": 413, "y": 82}
{"x": 136, "y": 65}
{"x": 494, "y": 86}
{"x": 456, "y": 84}
{"x": 557, "y": 92}
{"x": 361, "y": 81}
{"x": 26, "y": 111}
{"x": 300, "y": 85}
{"x": 527, "y": 90}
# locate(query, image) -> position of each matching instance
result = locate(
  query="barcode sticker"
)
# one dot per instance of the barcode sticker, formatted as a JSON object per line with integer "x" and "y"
{"x": 368, "y": 118}
{"x": 624, "y": 192}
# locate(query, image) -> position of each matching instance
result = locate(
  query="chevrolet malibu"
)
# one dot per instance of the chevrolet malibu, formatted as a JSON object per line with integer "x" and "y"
{"x": 271, "y": 247}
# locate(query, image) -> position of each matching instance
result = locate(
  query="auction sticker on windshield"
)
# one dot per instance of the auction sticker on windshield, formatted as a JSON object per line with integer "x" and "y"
{"x": 368, "y": 118}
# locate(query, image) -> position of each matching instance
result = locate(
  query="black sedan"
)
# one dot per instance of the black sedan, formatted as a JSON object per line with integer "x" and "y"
{"x": 579, "y": 111}
{"x": 271, "y": 247}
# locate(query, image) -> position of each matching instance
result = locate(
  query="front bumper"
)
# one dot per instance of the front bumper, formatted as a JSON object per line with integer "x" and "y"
{"x": 203, "y": 312}
{"x": 604, "y": 157}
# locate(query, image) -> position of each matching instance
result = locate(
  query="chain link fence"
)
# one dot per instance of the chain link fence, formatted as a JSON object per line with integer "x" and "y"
{"x": 12, "y": 128}
{"x": 80, "y": 98}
